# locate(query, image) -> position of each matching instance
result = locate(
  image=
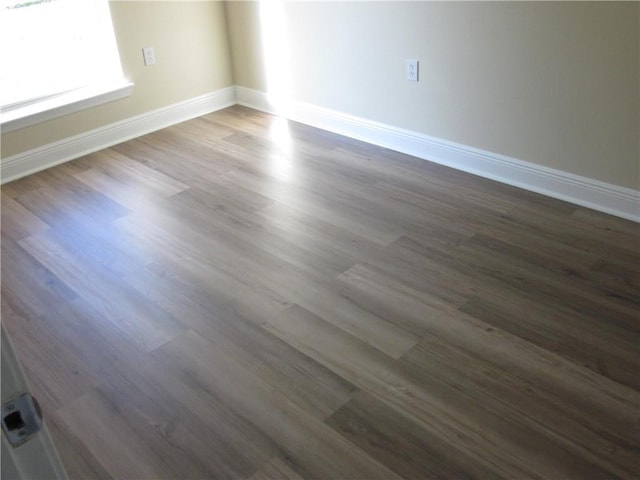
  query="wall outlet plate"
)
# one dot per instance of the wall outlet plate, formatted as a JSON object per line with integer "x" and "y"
{"x": 412, "y": 69}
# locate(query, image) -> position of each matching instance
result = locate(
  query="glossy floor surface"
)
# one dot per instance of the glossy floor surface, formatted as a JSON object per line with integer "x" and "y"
{"x": 241, "y": 297}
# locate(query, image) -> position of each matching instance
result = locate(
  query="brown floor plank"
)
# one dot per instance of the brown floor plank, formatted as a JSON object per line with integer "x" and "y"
{"x": 306, "y": 441}
{"x": 243, "y": 297}
{"x": 407, "y": 448}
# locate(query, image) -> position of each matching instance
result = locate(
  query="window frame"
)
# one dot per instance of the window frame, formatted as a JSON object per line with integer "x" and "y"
{"x": 30, "y": 111}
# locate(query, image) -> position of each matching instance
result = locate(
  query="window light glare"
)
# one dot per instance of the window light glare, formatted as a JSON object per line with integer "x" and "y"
{"x": 55, "y": 46}
{"x": 276, "y": 54}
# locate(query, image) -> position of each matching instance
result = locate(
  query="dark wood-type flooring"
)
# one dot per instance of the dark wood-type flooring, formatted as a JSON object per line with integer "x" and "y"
{"x": 239, "y": 297}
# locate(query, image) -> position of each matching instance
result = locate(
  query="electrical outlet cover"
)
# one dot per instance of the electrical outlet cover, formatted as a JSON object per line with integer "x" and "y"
{"x": 412, "y": 69}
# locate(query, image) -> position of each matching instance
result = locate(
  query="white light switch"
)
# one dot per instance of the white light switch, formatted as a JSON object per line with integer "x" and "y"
{"x": 148, "y": 55}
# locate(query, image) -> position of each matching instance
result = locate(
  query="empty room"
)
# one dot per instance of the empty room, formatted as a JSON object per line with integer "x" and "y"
{"x": 320, "y": 239}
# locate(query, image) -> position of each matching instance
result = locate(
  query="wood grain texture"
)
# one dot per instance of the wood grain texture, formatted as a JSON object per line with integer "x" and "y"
{"x": 242, "y": 297}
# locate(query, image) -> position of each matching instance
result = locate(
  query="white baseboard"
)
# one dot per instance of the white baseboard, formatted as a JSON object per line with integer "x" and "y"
{"x": 619, "y": 201}
{"x": 594, "y": 194}
{"x": 40, "y": 158}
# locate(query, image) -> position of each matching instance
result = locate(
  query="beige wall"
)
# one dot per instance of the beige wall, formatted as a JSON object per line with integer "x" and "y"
{"x": 556, "y": 84}
{"x": 243, "y": 26}
{"x": 192, "y": 59}
{"x": 553, "y": 83}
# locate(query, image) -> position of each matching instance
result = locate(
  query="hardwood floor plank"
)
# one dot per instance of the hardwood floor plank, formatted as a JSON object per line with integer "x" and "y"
{"x": 102, "y": 426}
{"x": 303, "y": 229}
{"x": 559, "y": 270}
{"x": 196, "y": 258}
{"x": 378, "y": 375}
{"x": 62, "y": 198}
{"x": 115, "y": 175}
{"x": 596, "y": 239}
{"x": 240, "y": 296}
{"x": 611, "y": 406}
{"x": 484, "y": 274}
{"x": 571, "y": 285}
{"x": 229, "y": 444}
{"x": 18, "y": 222}
{"x": 308, "y": 443}
{"x": 614, "y": 275}
{"x": 574, "y": 338}
{"x": 609, "y": 223}
{"x": 28, "y": 287}
{"x": 197, "y": 442}
{"x": 276, "y": 469}
{"x": 392, "y": 299}
{"x": 305, "y": 382}
{"x": 144, "y": 323}
{"x": 310, "y": 249}
{"x": 311, "y": 204}
{"x": 581, "y": 441}
{"x": 193, "y": 171}
{"x": 402, "y": 445}
{"x": 57, "y": 374}
{"x": 79, "y": 462}
{"x": 62, "y": 335}
{"x": 265, "y": 273}
{"x": 430, "y": 276}
{"x": 506, "y": 230}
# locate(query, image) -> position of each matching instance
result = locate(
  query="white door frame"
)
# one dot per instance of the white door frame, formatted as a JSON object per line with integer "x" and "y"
{"x": 37, "y": 458}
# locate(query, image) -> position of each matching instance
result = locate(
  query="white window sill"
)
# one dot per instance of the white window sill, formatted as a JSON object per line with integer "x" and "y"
{"x": 63, "y": 104}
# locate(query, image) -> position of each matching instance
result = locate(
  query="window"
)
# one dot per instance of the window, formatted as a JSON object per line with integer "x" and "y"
{"x": 56, "y": 53}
